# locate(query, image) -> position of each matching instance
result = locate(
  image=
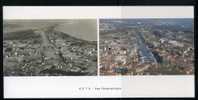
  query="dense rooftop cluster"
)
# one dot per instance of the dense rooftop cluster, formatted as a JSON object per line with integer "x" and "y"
{"x": 146, "y": 47}
{"x": 48, "y": 52}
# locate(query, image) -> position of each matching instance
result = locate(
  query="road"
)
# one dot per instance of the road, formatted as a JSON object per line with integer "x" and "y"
{"x": 44, "y": 38}
{"x": 145, "y": 52}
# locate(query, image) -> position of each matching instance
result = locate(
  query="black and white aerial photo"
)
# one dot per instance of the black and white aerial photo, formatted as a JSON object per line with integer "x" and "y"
{"x": 66, "y": 47}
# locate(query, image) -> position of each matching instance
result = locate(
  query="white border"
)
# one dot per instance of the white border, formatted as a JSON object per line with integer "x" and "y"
{"x": 68, "y": 86}
{"x": 98, "y": 46}
{"x": 86, "y": 12}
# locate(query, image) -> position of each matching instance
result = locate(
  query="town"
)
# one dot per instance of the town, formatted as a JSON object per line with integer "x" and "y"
{"x": 146, "y": 47}
{"x": 48, "y": 52}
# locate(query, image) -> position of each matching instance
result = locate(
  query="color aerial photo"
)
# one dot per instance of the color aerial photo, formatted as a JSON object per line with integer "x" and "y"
{"x": 66, "y": 47}
{"x": 161, "y": 46}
